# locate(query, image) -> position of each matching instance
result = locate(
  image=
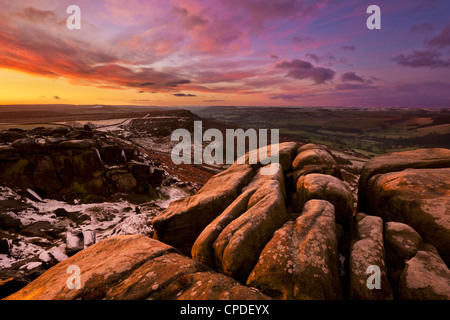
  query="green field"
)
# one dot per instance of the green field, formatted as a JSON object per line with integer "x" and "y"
{"x": 367, "y": 131}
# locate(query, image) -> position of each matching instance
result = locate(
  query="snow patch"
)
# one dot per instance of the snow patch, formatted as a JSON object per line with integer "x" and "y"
{"x": 170, "y": 194}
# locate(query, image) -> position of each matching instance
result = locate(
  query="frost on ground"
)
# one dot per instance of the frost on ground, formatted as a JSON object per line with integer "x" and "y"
{"x": 48, "y": 231}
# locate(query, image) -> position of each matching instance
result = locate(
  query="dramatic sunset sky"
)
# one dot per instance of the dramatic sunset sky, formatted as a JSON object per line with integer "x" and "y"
{"x": 226, "y": 52}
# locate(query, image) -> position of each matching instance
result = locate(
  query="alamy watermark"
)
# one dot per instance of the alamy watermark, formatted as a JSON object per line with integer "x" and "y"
{"x": 74, "y": 20}
{"x": 214, "y": 153}
{"x": 74, "y": 281}
{"x": 373, "y": 22}
{"x": 374, "y": 280}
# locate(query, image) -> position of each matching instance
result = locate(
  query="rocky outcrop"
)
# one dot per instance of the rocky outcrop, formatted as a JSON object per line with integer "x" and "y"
{"x": 133, "y": 267}
{"x": 68, "y": 164}
{"x": 409, "y": 191}
{"x": 425, "y": 277}
{"x": 330, "y": 188}
{"x": 402, "y": 243}
{"x": 417, "y": 197}
{"x": 396, "y": 162}
{"x": 238, "y": 246}
{"x": 234, "y": 217}
{"x": 290, "y": 233}
{"x": 301, "y": 260}
{"x": 259, "y": 208}
{"x": 367, "y": 257}
{"x": 312, "y": 158}
{"x": 185, "y": 219}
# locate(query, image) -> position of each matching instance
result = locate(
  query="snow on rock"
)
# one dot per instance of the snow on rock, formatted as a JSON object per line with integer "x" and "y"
{"x": 71, "y": 227}
{"x": 170, "y": 194}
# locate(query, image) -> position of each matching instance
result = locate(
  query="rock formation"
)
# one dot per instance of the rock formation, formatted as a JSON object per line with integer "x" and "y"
{"x": 292, "y": 234}
{"x": 68, "y": 164}
{"x": 409, "y": 191}
{"x": 301, "y": 259}
{"x": 134, "y": 267}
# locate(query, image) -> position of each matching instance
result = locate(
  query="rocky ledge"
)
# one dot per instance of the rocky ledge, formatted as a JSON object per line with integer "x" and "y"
{"x": 294, "y": 234}
{"x": 77, "y": 164}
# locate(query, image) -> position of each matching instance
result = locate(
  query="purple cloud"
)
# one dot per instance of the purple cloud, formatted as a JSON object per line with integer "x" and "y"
{"x": 419, "y": 59}
{"x": 353, "y": 86}
{"x": 351, "y": 76}
{"x": 299, "y": 69}
{"x": 313, "y": 57}
{"x": 287, "y": 97}
{"x": 441, "y": 40}
{"x": 348, "y": 48}
{"x": 300, "y": 40}
{"x": 190, "y": 21}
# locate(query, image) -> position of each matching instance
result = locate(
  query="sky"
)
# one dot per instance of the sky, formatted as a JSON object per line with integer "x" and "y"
{"x": 226, "y": 52}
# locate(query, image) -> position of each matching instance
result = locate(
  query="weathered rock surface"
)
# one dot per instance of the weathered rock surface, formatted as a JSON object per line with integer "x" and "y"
{"x": 425, "y": 277}
{"x": 238, "y": 246}
{"x": 203, "y": 250}
{"x": 183, "y": 221}
{"x": 286, "y": 232}
{"x": 401, "y": 243}
{"x": 402, "y": 240}
{"x": 301, "y": 260}
{"x": 368, "y": 251}
{"x": 330, "y": 188}
{"x": 398, "y": 161}
{"x": 315, "y": 159}
{"x": 134, "y": 267}
{"x": 417, "y": 197}
{"x": 285, "y": 152}
{"x": 68, "y": 164}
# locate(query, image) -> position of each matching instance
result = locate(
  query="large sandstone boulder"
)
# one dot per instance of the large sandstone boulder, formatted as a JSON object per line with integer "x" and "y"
{"x": 425, "y": 277}
{"x": 398, "y": 161}
{"x": 238, "y": 246}
{"x": 401, "y": 242}
{"x": 315, "y": 159}
{"x": 202, "y": 249}
{"x": 133, "y": 267}
{"x": 367, "y": 257}
{"x": 183, "y": 221}
{"x": 326, "y": 187}
{"x": 285, "y": 154}
{"x": 417, "y": 197}
{"x": 301, "y": 260}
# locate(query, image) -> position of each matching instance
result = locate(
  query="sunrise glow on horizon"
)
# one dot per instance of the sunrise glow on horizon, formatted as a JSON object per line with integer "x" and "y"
{"x": 225, "y": 52}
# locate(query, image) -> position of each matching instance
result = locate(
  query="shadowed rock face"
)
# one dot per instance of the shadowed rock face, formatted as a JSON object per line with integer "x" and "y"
{"x": 68, "y": 164}
{"x": 402, "y": 243}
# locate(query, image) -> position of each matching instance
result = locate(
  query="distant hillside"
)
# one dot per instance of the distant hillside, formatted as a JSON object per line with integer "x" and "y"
{"x": 367, "y": 131}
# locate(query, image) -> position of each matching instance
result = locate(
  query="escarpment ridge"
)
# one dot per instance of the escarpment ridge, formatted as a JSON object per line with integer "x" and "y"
{"x": 298, "y": 233}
